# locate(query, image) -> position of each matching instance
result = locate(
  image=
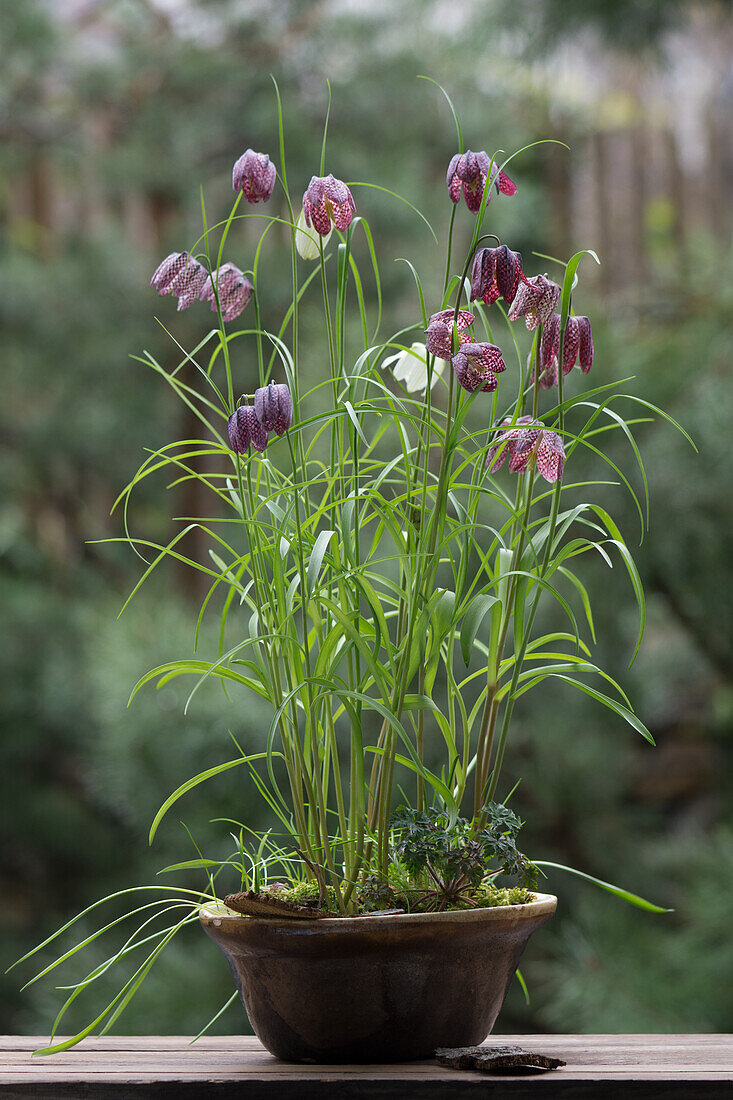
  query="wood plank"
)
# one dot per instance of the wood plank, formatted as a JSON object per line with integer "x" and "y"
{"x": 678, "y": 1067}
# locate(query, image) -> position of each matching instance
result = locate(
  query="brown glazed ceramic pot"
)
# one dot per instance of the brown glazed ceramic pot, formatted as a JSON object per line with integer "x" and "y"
{"x": 375, "y": 989}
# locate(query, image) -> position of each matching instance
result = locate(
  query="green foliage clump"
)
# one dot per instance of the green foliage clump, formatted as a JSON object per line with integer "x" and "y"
{"x": 308, "y": 893}
{"x": 439, "y": 863}
{"x": 375, "y": 894}
{"x": 488, "y": 895}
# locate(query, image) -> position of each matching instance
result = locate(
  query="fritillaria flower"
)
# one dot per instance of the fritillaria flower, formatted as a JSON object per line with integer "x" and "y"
{"x": 189, "y": 283}
{"x": 496, "y": 273}
{"x": 468, "y": 172}
{"x": 410, "y": 367}
{"x": 181, "y": 275}
{"x": 244, "y": 429}
{"x": 234, "y": 289}
{"x": 254, "y": 175}
{"x": 526, "y": 443}
{"x": 167, "y": 271}
{"x": 477, "y": 365}
{"x": 578, "y": 342}
{"x": 325, "y": 201}
{"x": 439, "y": 339}
{"x": 536, "y": 300}
{"x": 274, "y": 407}
{"x": 306, "y": 239}
{"x": 586, "y": 344}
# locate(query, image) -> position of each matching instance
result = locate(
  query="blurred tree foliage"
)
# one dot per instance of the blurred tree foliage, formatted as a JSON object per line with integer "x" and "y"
{"x": 111, "y": 118}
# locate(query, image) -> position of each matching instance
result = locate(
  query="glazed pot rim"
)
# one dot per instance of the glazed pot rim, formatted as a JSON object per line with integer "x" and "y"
{"x": 541, "y": 905}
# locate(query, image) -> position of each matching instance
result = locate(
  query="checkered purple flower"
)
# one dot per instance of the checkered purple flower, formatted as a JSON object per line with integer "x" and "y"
{"x": 189, "y": 283}
{"x": 536, "y": 300}
{"x": 525, "y": 443}
{"x": 254, "y": 175}
{"x": 328, "y": 200}
{"x": 477, "y": 365}
{"x": 245, "y": 429}
{"x": 166, "y": 272}
{"x": 468, "y": 172}
{"x": 234, "y": 289}
{"x": 274, "y": 407}
{"x": 439, "y": 333}
{"x": 577, "y": 341}
{"x": 181, "y": 275}
{"x": 496, "y": 274}
{"x": 585, "y": 348}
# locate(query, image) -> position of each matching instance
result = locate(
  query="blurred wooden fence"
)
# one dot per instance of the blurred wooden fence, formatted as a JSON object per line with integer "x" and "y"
{"x": 630, "y": 194}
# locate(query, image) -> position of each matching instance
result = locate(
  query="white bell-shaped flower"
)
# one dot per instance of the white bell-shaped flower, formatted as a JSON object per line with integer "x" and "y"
{"x": 410, "y": 366}
{"x": 306, "y": 239}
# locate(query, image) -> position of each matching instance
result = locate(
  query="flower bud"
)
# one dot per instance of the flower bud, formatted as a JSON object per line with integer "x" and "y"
{"x": 254, "y": 175}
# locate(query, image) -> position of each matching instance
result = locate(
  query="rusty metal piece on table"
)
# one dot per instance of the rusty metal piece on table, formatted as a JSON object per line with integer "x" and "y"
{"x": 497, "y": 1059}
{"x": 252, "y": 904}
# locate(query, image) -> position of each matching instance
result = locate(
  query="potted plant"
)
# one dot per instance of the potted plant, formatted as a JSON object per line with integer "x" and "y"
{"x": 380, "y": 546}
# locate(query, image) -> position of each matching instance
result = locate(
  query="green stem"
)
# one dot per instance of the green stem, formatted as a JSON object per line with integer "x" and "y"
{"x": 552, "y": 525}
{"x": 490, "y": 711}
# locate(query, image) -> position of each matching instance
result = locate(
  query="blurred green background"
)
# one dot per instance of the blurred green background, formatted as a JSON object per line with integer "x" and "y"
{"x": 112, "y": 114}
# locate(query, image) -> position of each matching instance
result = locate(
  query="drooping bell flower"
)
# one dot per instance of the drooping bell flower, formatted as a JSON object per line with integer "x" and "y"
{"x": 244, "y": 429}
{"x": 468, "y": 172}
{"x": 306, "y": 239}
{"x": 274, "y": 407}
{"x": 167, "y": 271}
{"x": 234, "y": 290}
{"x": 439, "y": 333}
{"x": 495, "y": 274}
{"x": 180, "y": 275}
{"x": 477, "y": 365}
{"x": 189, "y": 283}
{"x": 410, "y": 367}
{"x": 525, "y": 443}
{"x": 586, "y": 344}
{"x": 328, "y": 200}
{"x": 536, "y": 300}
{"x": 254, "y": 175}
{"x": 573, "y": 344}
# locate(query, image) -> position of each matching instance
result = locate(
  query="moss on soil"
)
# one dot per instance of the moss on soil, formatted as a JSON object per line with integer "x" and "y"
{"x": 486, "y": 896}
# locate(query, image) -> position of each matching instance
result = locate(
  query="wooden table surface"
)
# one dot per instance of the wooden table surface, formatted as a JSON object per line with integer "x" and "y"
{"x": 237, "y": 1067}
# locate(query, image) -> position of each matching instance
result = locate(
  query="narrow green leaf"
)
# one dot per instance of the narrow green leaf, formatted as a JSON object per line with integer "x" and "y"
{"x": 625, "y": 895}
{"x": 472, "y": 621}
{"x": 316, "y": 559}
{"x": 520, "y": 978}
{"x": 619, "y": 708}
{"x": 355, "y": 421}
{"x": 194, "y": 782}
